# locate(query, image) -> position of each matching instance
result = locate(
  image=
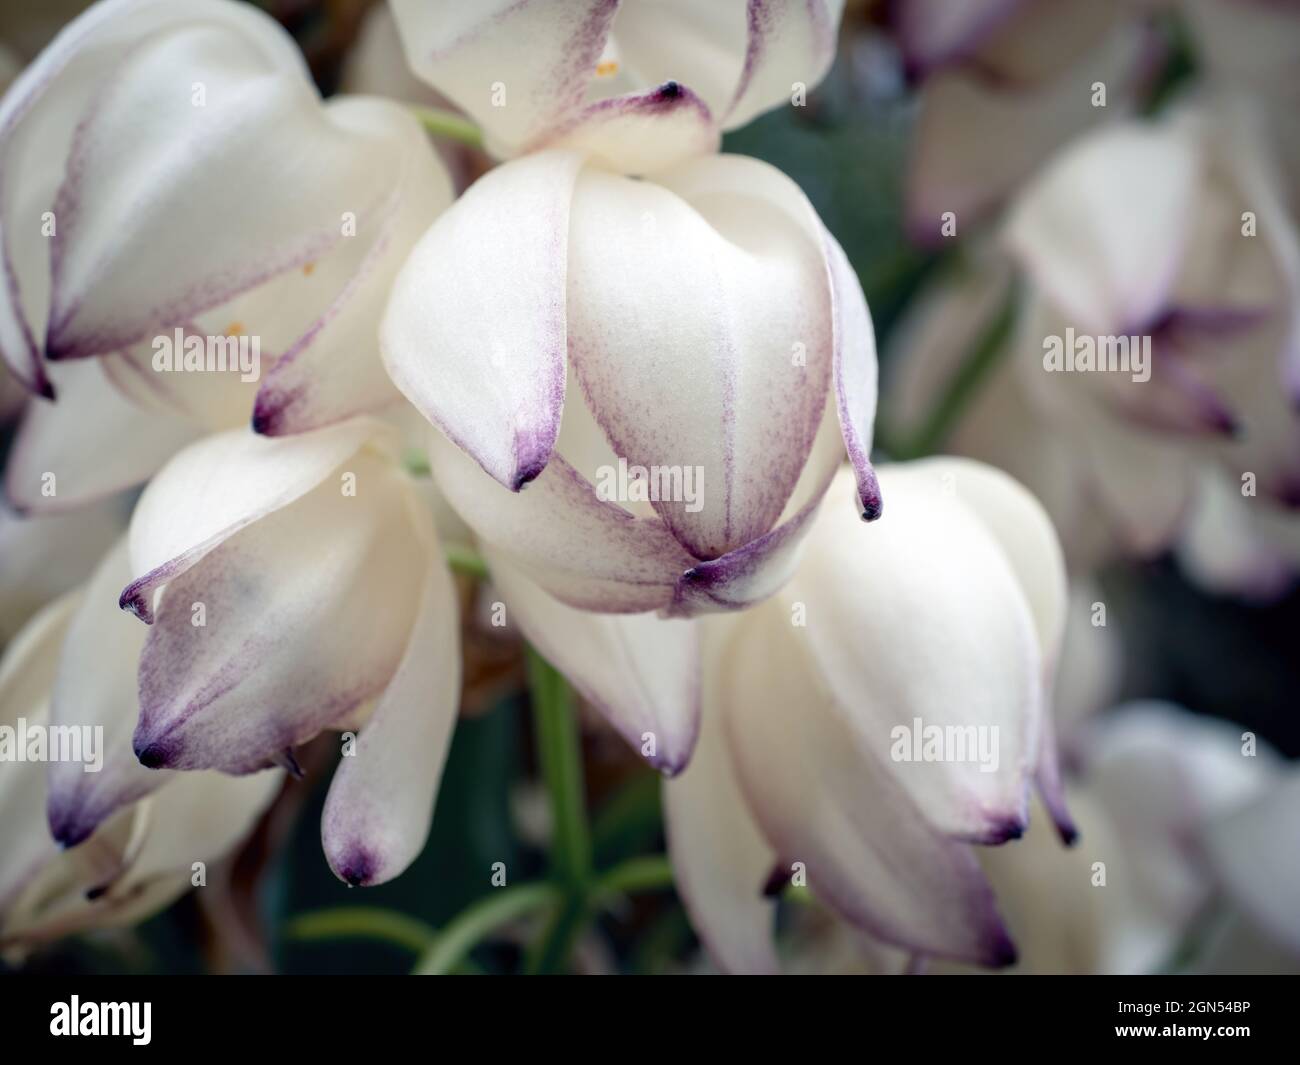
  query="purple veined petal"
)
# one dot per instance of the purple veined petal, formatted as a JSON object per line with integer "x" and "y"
{"x": 974, "y": 144}
{"x": 292, "y": 640}
{"x": 219, "y": 485}
{"x": 854, "y": 373}
{"x": 475, "y": 331}
{"x": 333, "y": 370}
{"x": 95, "y": 689}
{"x": 380, "y": 803}
{"x": 934, "y": 32}
{"x": 517, "y": 67}
{"x": 1255, "y": 854}
{"x": 588, "y": 552}
{"x": 39, "y": 116}
{"x": 1103, "y": 229}
{"x": 956, "y": 651}
{"x": 699, "y": 330}
{"x": 642, "y": 672}
{"x": 87, "y": 445}
{"x": 721, "y": 859}
{"x": 787, "y": 42}
{"x": 865, "y": 847}
{"x": 211, "y": 90}
{"x": 751, "y": 573}
{"x": 640, "y": 133}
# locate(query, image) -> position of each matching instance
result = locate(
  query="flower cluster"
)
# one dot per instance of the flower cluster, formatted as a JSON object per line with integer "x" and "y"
{"x": 303, "y": 331}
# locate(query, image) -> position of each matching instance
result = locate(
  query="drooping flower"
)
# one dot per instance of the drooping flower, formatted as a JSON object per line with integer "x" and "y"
{"x": 950, "y": 612}
{"x": 637, "y": 84}
{"x": 574, "y": 330}
{"x": 295, "y": 585}
{"x": 170, "y": 176}
{"x": 141, "y": 856}
{"x": 1167, "y": 245}
{"x": 1004, "y": 84}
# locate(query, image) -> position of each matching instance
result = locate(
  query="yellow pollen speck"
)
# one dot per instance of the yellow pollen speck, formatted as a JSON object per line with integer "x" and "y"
{"x": 605, "y": 68}
{"x": 234, "y": 329}
{"x": 308, "y": 268}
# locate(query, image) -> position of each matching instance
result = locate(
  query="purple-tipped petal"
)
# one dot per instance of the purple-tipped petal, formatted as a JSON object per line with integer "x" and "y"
{"x": 95, "y": 689}
{"x": 380, "y": 803}
{"x": 216, "y": 487}
{"x": 475, "y": 331}
{"x": 291, "y": 640}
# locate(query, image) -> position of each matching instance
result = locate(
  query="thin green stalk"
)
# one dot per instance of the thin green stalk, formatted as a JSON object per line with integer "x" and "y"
{"x": 465, "y": 560}
{"x": 448, "y": 125}
{"x": 989, "y": 347}
{"x": 560, "y": 758}
{"x": 480, "y": 919}
{"x": 363, "y": 922}
{"x": 647, "y": 873}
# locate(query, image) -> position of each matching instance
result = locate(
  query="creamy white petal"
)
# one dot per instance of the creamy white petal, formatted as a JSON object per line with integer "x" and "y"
{"x": 91, "y": 442}
{"x": 588, "y": 552}
{"x": 95, "y": 689}
{"x": 292, "y": 639}
{"x": 41, "y": 558}
{"x": 218, "y": 486}
{"x": 721, "y": 860}
{"x": 333, "y": 370}
{"x": 534, "y": 56}
{"x": 641, "y": 671}
{"x": 700, "y": 331}
{"x": 475, "y": 330}
{"x": 201, "y": 113}
{"x": 1103, "y": 230}
{"x": 380, "y": 803}
{"x": 1255, "y": 852}
{"x": 919, "y": 621}
{"x": 822, "y": 800}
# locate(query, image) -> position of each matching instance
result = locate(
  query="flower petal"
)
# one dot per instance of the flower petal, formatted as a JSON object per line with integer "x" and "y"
{"x": 641, "y": 671}
{"x": 867, "y": 848}
{"x": 333, "y": 370}
{"x": 540, "y": 53}
{"x": 956, "y": 648}
{"x": 380, "y": 803}
{"x": 721, "y": 861}
{"x": 1103, "y": 230}
{"x": 291, "y": 640}
{"x": 700, "y": 330}
{"x": 641, "y": 132}
{"x": 586, "y": 551}
{"x": 216, "y": 487}
{"x": 1255, "y": 852}
{"x": 92, "y": 441}
{"x": 96, "y": 689}
{"x": 474, "y": 334}
{"x": 200, "y": 114}
{"x": 41, "y": 558}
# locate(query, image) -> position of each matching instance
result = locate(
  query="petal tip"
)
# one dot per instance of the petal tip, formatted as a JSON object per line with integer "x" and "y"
{"x": 358, "y": 867}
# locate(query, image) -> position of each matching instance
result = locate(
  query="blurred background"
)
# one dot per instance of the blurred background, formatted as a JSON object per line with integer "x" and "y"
{"x": 854, "y": 149}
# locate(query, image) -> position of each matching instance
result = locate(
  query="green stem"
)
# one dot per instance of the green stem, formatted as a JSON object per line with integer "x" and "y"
{"x": 465, "y": 560}
{"x": 647, "y": 873}
{"x": 363, "y": 922}
{"x": 560, "y": 758}
{"x": 968, "y": 380}
{"x": 448, "y": 125}
{"x": 475, "y": 922}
